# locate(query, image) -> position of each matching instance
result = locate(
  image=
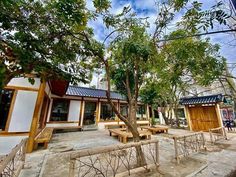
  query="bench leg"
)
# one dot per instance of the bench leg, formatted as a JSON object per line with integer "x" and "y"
{"x": 45, "y": 145}
{"x": 125, "y": 140}
{"x": 35, "y": 145}
{"x": 119, "y": 138}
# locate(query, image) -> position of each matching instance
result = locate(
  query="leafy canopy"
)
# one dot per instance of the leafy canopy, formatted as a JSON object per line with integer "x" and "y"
{"x": 45, "y": 37}
{"x": 179, "y": 64}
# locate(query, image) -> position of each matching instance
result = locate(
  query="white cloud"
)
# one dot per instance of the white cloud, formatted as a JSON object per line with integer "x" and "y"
{"x": 147, "y": 4}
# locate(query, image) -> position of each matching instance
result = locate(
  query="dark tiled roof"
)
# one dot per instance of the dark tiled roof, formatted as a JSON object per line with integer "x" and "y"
{"x": 90, "y": 92}
{"x": 202, "y": 99}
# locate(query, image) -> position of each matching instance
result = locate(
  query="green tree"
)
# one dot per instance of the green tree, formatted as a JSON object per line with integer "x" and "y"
{"x": 126, "y": 66}
{"x": 180, "y": 64}
{"x": 46, "y": 38}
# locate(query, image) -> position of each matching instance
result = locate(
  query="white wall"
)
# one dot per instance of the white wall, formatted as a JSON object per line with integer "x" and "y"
{"x": 23, "y": 111}
{"x": 23, "y": 82}
{"x": 74, "y": 110}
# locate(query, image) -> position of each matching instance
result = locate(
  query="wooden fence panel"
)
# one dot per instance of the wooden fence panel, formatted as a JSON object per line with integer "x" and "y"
{"x": 114, "y": 160}
{"x": 12, "y": 163}
{"x": 187, "y": 144}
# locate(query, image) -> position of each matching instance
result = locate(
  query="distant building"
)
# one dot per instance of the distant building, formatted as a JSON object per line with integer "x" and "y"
{"x": 102, "y": 83}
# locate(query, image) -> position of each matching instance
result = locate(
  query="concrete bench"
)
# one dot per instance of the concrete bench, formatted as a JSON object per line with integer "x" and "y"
{"x": 44, "y": 137}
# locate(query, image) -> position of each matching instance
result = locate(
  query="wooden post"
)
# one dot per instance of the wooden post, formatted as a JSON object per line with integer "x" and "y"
{"x": 98, "y": 111}
{"x": 186, "y": 108}
{"x": 147, "y": 113}
{"x": 34, "y": 123}
{"x": 203, "y": 140}
{"x": 72, "y": 168}
{"x": 211, "y": 137}
{"x": 176, "y": 150}
{"x": 224, "y": 133}
{"x": 220, "y": 120}
{"x": 82, "y": 112}
{"x": 157, "y": 153}
{"x": 24, "y": 150}
{"x": 118, "y": 107}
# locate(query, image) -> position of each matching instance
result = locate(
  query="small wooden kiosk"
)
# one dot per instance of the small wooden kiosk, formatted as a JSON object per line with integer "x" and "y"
{"x": 203, "y": 113}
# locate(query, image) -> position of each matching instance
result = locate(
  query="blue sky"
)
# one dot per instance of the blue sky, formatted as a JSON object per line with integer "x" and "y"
{"x": 147, "y": 8}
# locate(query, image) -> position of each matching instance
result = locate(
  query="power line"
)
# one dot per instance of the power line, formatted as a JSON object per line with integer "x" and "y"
{"x": 196, "y": 35}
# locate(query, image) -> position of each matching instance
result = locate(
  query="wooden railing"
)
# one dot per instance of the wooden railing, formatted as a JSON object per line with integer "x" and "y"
{"x": 217, "y": 134}
{"x": 114, "y": 160}
{"x": 12, "y": 163}
{"x": 187, "y": 144}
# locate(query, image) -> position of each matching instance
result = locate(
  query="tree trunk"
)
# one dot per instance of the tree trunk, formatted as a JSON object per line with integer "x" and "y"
{"x": 131, "y": 120}
{"x": 141, "y": 161}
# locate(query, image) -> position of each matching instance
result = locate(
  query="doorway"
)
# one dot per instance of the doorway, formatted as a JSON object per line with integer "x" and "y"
{"x": 90, "y": 113}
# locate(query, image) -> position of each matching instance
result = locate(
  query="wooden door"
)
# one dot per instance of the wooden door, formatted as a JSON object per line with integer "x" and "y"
{"x": 203, "y": 118}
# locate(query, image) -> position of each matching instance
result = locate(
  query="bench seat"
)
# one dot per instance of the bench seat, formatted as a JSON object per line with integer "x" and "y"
{"x": 123, "y": 136}
{"x": 44, "y": 137}
{"x": 156, "y": 129}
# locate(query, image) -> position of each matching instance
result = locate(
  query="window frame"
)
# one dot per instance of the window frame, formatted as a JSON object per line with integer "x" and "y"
{"x": 115, "y": 117}
{"x": 143, "y": 115}
{"x": 68, "y": 109}
{"x": 11, "y": 107}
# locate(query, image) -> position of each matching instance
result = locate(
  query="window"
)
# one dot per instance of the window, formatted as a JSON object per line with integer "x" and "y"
{"x": 180, "y": 113}
{"x": 60, "y": 109}
{"x": 107, "y": 113}
{"x": 5, "y": 103}
{"x": 124, "y": 110}
{"x": 141, "y": 112}
{"x": 89, "y": 113}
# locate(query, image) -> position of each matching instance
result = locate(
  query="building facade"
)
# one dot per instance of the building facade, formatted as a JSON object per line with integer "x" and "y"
{"x": 56, "y": 104}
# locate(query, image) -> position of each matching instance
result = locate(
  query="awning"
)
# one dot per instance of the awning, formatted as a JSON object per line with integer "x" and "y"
{"x": 58, "y": 87}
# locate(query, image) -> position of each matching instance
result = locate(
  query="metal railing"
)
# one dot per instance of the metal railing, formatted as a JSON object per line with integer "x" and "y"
{"x": 12, "y": 163}
{"x": 114, "y": 160}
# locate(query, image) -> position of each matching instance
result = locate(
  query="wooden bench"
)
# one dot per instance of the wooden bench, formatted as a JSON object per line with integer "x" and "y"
{"x": 122, "y": 125}
{"x": 156, "y": 129}
{"x": 123, "y": 136}
{"x": 114, "y": 126}
{"x": 44, "y": 137}
{"x": 143, "y": 124}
